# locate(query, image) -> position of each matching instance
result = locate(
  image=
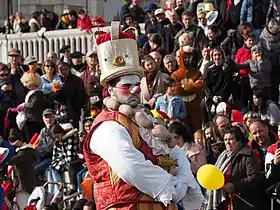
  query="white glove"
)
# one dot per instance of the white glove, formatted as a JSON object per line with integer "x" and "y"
{"x": 213, "y": 109}
{"x": 94, "y": 100}
{"x": 217, "y": 99}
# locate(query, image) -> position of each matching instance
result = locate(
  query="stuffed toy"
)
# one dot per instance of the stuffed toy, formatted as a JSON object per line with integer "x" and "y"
{"x": 142, "y": 117}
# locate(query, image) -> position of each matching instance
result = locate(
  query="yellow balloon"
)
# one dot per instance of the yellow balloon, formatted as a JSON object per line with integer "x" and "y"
{"x": 210, "y": 177}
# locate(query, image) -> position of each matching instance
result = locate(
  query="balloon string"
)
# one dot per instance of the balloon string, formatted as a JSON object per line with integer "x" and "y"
{"x": 230, "y": 200}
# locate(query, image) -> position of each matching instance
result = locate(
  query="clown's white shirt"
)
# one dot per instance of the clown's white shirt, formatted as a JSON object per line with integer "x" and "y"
{"x": 112, "y": 142}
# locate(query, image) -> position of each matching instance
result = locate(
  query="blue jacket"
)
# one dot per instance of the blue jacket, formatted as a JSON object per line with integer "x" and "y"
{"x": 178, "y": 108}
{"x": 47, "y": 86}
{"x": 246, "y": 14}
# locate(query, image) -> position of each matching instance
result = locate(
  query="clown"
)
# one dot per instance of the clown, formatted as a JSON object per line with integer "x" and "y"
{"x": 129, "y": 170}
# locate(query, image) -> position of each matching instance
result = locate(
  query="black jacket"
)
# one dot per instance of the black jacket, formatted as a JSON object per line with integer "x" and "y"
{"x": 35, "y": 107}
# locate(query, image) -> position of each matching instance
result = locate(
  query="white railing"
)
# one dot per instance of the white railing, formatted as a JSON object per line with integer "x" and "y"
{"x": 31, "y": 44}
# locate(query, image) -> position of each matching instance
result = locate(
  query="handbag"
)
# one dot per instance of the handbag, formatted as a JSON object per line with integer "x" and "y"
{"x": 21, "y": 119}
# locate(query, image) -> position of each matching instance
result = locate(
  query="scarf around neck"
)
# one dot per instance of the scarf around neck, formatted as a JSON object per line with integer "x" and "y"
{"x": 215, "y": 197}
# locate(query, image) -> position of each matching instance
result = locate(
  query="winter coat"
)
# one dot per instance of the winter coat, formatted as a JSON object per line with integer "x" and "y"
{"x": 63, "y": 23}
{"x": 73, "y": 95}
{"x": 232, "y": 43}
{"x": 218, "y": 80}
{"x": 45, "y": 145}
{"x": 168, "y": 33}
{"x": 273, "y": 10}
{"x": 84, "y": 23}
{"x": 246, "y": 178}
{"x": 243, "y": 54}
{"x": 230, "y": 17}
{"x": 34, "y": 106}
{"x": 64, "y": 152}
{"x": 199, "y": 37}
{"x": 21, "y": 26}
{"x": 34, "y": 25}
{"x": 23, "y": 164}
{"x": 137, "y": 13}
{"x": 271, "y": 45}
{"x": 259, "y": 73}
{"x": 254, "y": 11}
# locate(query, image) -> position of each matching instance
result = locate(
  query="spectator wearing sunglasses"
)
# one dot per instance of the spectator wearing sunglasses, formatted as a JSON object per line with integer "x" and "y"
{"x": 50, "y": 77}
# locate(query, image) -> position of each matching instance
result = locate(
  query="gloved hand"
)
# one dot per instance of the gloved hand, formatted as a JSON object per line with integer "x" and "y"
{"x": 213, "y": 109}
{"x": 217, "y": 99}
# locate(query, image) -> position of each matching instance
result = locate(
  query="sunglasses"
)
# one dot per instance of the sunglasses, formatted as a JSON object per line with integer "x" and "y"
{"x": 50, "y": 66}
{"x": 4, "y": 75}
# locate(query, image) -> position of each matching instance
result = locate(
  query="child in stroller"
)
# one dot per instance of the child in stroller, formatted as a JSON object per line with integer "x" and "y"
{"x": 40, "y": 197}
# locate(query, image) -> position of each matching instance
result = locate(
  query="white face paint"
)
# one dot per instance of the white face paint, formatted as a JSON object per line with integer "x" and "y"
{"x": 127, "y": 90}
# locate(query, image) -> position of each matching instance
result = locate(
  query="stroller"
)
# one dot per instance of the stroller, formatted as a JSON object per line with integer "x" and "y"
{"x": 274, "y": 193}
{"x": 40, "y": 197}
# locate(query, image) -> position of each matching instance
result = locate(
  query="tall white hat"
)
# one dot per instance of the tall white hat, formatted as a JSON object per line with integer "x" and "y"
{"x": 118, "y": 55}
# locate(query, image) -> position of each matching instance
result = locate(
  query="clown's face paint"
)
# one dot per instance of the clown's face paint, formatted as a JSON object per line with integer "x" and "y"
{"x": 127, "y": 90}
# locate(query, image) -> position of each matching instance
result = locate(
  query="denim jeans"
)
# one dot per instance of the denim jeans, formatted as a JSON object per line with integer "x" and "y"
{"x": 53, "y": 176}
{"x": 42, "y": 165}
{"x": 80, "y": 176}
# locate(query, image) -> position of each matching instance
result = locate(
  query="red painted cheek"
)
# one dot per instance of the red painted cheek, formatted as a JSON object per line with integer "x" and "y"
{"x": 123, "y": 91}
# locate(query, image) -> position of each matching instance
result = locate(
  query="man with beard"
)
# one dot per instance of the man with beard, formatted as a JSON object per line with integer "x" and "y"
{"x": 124, "y": 167}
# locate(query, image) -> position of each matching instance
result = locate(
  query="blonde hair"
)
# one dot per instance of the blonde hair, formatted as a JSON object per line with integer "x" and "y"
{"x": 201, "y": 133}
{"x": 31, "y": 78}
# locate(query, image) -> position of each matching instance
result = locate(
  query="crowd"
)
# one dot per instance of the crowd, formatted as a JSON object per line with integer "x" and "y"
{"x": 47, "y": 21}
{"x": 211, "y": 75}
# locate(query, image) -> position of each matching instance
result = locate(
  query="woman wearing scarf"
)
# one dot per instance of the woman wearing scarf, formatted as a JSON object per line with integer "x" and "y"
{"x": 242, "y": 176}
{"x": 153, "y": 84}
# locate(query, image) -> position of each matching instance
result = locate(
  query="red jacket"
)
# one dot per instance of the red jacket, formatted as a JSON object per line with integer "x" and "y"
{"x": 243, "y": 54}
{"x": 84, "y": 23}
{"x": 109, "y": 190}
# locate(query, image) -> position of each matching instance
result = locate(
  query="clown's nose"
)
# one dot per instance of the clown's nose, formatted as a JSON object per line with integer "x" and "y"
{"x": 136, "y": 90}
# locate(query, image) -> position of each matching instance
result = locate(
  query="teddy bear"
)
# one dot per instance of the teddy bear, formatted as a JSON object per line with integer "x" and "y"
{"x": 160, "y": 136}
{"x": 140, "y": 115}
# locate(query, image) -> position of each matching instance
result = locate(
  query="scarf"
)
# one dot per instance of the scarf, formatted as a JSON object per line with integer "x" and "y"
{"x": 87, "y": 76}
{"x": 150, "y": 77}
{"x": 215, "y": 197}
{"x": 270, "y": 41}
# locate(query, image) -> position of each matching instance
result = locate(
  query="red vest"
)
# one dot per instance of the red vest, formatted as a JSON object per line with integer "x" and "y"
{"x": 109, "y": 190}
